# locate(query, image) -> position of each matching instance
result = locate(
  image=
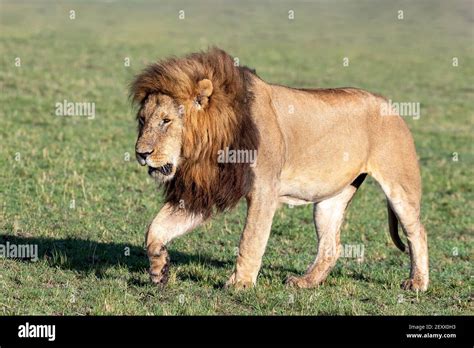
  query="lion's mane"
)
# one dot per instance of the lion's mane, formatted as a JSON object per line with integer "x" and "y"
{"x": 201, "y": 183}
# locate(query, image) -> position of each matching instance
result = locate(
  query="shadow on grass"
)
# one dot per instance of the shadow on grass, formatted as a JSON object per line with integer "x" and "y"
{"x": 92, "y": 257}
{"x": 88, "y": 256}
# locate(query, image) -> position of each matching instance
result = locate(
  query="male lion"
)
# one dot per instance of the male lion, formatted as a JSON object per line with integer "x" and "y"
{"x": 313, "y": 146}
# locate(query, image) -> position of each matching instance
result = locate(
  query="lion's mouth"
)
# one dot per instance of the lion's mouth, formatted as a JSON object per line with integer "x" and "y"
{"x": 166, "y": 169}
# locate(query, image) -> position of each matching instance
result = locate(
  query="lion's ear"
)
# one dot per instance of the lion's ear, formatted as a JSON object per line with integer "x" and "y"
{"x": 204, "y": 91}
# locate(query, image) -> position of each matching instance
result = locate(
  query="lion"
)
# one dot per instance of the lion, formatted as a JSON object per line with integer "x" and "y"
{"x": 313, "y": 146}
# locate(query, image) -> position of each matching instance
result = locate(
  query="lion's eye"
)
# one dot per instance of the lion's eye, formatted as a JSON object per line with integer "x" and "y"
{"x": 165, "y": 121}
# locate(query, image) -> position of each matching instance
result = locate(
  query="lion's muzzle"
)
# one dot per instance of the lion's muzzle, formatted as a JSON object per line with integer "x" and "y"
{"x": 141, "y": 157}
{"x": 157, "y": 171}
{"x": 166, "y": 169}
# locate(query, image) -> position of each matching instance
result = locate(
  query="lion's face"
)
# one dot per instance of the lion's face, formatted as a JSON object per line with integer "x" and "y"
{"x": 159, "y": 136}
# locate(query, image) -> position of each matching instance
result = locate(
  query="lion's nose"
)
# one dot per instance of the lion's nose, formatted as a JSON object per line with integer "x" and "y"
{"x": 142, "y": 155}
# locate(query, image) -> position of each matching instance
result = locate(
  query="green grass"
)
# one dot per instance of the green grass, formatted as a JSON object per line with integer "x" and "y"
{"x": 84, "y": 265}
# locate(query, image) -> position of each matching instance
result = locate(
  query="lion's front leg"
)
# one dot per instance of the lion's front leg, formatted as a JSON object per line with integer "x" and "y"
{"x": 167, "y": 225}
{"x": 261, "y": 208}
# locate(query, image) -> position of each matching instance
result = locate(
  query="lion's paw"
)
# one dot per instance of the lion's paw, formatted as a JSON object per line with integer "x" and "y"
{"x": 161, "y": 277}
{"x": 159, "y": 268}
{"x": 414, "y": 284}
{"x": 238, "y": 283}
{"x": 301, "y": 282}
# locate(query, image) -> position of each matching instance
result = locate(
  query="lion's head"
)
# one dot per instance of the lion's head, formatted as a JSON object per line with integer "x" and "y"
{"x": 189, "y": 109}
{"x": 159, "y": 136}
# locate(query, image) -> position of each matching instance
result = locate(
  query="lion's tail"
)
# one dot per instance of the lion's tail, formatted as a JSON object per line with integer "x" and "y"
{"x": 393, "y": 227}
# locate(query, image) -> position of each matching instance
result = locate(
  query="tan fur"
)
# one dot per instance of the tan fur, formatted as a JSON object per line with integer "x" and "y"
{"x": 313, "y": 146}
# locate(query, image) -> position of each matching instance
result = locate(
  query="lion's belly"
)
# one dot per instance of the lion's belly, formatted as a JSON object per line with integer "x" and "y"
{"x": 314, "y": 174}
{"x": 308, "y": 187}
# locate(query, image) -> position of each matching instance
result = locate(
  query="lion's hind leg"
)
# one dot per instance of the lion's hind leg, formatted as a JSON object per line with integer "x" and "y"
{"x": 328, "y": 218}
{"x": 394, "y": 165}
{"x": 404, "y": 199}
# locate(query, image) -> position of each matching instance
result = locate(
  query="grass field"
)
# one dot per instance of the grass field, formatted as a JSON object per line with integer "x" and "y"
{"x": 71, "y": 185}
